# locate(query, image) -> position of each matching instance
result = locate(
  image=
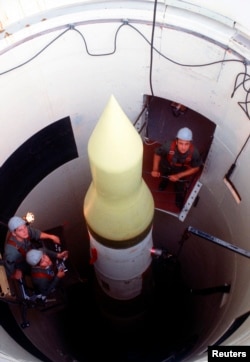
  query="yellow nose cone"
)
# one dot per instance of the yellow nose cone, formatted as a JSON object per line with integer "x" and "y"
{"x": 118, "y": 204}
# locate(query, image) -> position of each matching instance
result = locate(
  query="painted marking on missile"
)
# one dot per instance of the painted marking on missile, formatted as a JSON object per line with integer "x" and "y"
{"x": 218, "y": 241}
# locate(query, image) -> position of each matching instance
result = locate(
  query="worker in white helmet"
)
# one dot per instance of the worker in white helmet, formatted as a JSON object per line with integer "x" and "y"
{"x": 176, "y": 161}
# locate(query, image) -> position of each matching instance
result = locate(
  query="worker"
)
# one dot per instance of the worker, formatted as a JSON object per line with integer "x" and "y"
{"x": 176, "y": 161}
{"x": 46, "y": 274}
{"x": 21, "y": 238}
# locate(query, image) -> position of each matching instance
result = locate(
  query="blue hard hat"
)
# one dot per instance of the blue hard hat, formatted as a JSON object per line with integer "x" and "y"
{"x": 15, "y": 222}
{"x": 185, "y": 134}
{"x": 34, "y": 256}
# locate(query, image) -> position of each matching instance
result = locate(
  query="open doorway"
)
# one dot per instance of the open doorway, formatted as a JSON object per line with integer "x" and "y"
{"x": 163, "y": 120}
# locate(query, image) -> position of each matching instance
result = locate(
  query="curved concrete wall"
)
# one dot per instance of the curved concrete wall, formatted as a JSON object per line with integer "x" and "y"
{"x": 68, "y": 60}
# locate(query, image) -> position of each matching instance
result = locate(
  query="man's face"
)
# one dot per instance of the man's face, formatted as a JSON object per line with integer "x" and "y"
{"x": 183, "y": 146}
{"x": 21, "y": 232}
{"x": 45, "y": 261}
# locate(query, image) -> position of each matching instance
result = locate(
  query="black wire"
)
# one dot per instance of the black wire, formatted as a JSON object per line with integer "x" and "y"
{"x": 242, "y": 148}
{"x": 102, "y": 54}
{"x": 152, "y": 48}
{"x": 246, "y": 77}
{"x": 36, "y": 55}
{"x": 72, "y": 27}
{"x": 241, "y": 83}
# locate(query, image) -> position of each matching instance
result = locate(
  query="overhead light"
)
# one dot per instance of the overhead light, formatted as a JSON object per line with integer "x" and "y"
{"x": 29, "y": 217}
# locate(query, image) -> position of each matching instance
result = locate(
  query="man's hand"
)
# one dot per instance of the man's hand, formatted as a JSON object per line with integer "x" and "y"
{"x": 63, "y": 255}
{"x": 155, "y": 173}
{"x": 60, "y": 273}
{"x": 18, "y": 274}
{"x": 174, "y": 178}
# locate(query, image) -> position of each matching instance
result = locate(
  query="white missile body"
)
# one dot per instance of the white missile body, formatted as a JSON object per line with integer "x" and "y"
{"x": 118, "y": 207}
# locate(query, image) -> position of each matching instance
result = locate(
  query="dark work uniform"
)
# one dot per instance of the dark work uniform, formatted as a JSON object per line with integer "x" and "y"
{"x": 45, "y": 280}
{"x": 172, "y": 162}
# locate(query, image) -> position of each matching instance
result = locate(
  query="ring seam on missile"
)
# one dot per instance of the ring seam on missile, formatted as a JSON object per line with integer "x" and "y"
{"x": 120, "y": 244}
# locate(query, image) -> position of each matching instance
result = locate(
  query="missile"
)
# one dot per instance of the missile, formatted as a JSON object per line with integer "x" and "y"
{"x": 118, "y": 207}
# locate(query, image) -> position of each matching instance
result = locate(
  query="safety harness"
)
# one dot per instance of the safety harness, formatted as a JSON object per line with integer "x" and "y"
{"x": 41, "y": 275}
{"x": 172, "y": 152}
{"x": 21, "y": 249}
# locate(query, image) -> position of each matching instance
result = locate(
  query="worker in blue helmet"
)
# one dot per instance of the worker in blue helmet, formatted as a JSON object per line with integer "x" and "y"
{"x": 45, "y": 272}
{"x": 20, "y": 239}
{"x": 176, "y": 161}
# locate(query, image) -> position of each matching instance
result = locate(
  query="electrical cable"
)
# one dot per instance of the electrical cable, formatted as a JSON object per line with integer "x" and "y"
{"x": 71, "y": 27}
{"x": 36, "y": 55}
{"x": 152, "y": 48}
{"x": 231, "y": 169}
{"x": 246, "y": 77}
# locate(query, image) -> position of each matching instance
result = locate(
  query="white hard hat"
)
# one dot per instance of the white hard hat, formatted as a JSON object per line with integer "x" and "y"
{"x": 185, "y": 134}
{"x": 15, "y": 222}
{"x": 34, "y": 256}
